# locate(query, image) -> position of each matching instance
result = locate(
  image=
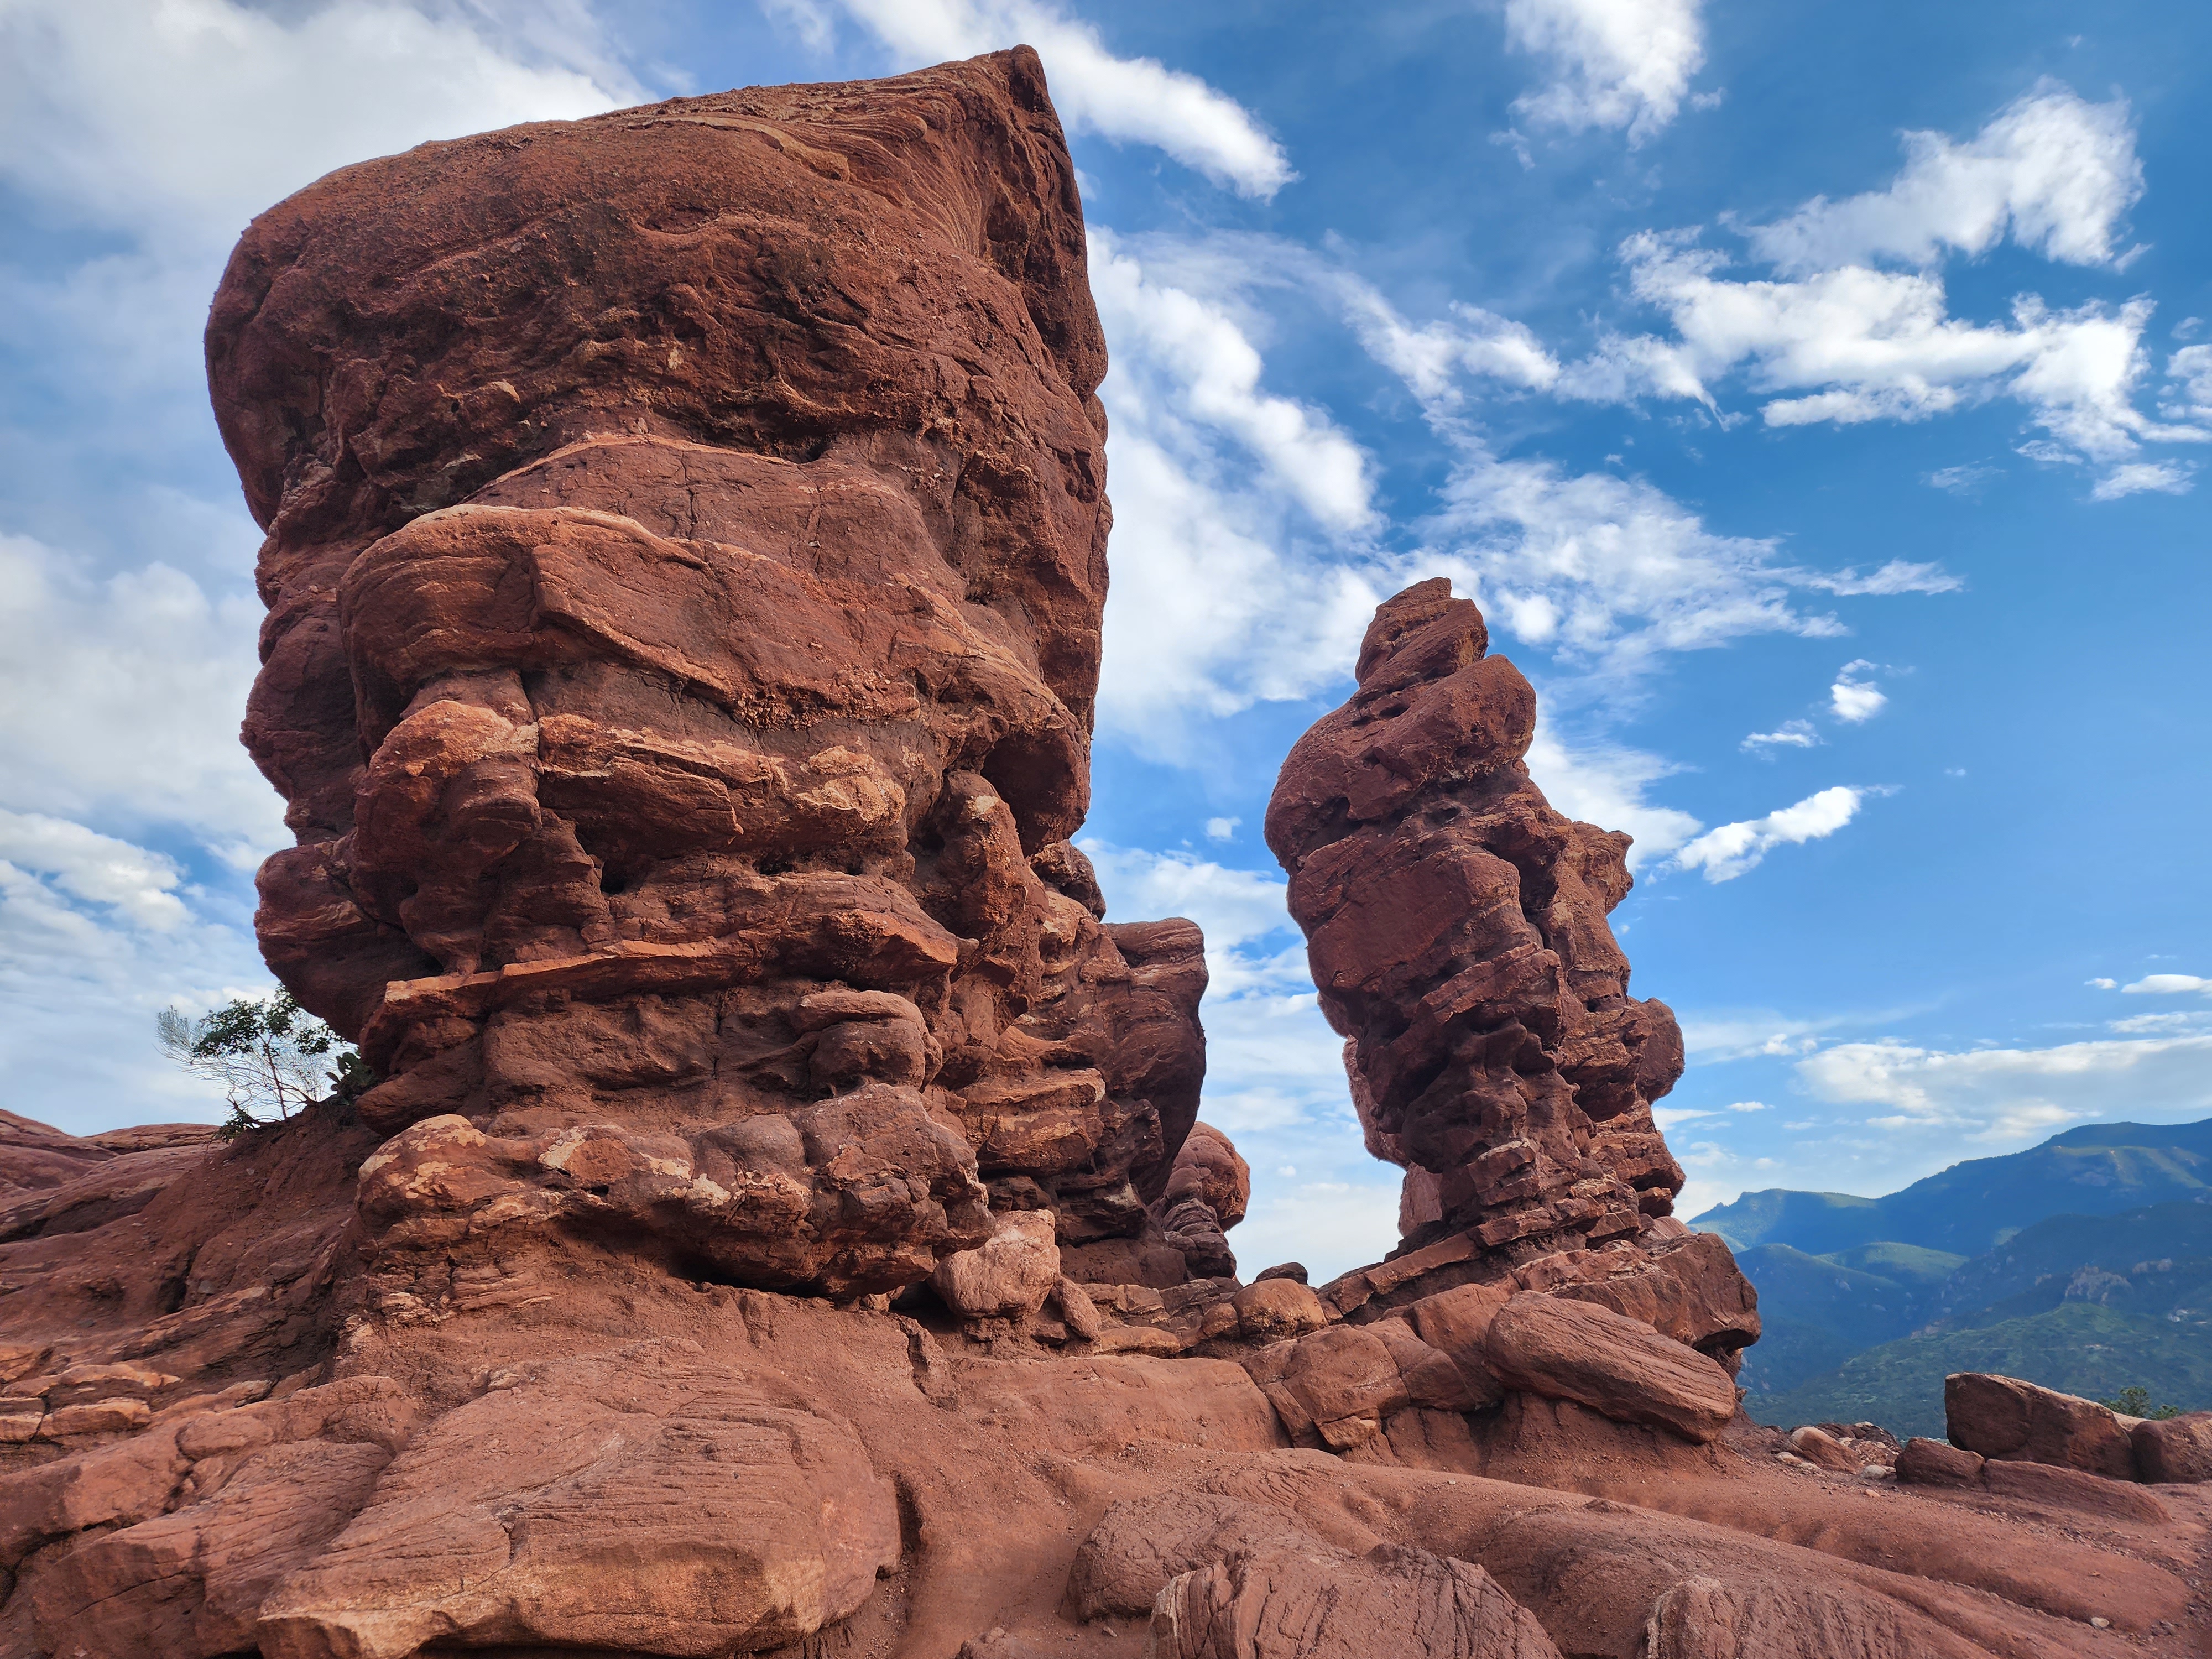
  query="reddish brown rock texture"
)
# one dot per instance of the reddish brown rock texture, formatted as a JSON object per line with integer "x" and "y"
{"x": 1456, "y": 929}
{"x": 684, "y": 572}
{"x": 685, "y": 562}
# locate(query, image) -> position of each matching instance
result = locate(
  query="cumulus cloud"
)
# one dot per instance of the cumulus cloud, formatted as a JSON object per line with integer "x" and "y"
{"x": 1614, "y": 64}
{"x": 1837, "y": 335}
{"x": 1241, "y": 568}
{"x": 1790, "y": 734}
{"x": 1854, "y": 699}
{"x": 137, "y": 884}
{"x": 1222, "y": 829}
{"x": 2006, "y": 1094}
{"x": 1127, "y": 100}
{"x": 1196, "y": 350}
{"x": 2166, "y": 985}
{"x": 2052, "y": 172}
{"x": 1732, "y": 849}
{"x": 1859, "y": 344}
{"x": 119, "y": 699}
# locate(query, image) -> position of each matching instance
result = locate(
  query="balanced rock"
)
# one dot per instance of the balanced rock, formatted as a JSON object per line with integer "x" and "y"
{"x": 681, "y": 647}
{"x": 1456, "y": 928}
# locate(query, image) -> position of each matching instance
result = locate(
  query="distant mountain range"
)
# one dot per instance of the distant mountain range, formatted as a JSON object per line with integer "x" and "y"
{"x": 2084, "y": 1264}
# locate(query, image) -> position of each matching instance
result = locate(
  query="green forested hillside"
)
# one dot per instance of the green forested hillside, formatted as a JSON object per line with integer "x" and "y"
{"x": 2093, "y": 1272}
{"x": 2079, "y": 1348}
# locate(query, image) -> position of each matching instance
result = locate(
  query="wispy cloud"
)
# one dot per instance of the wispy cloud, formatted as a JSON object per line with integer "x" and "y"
{"x": 2006, "y": 1094}
{"x": 1126, "y": 99}
{"x": 1790, "y": 734}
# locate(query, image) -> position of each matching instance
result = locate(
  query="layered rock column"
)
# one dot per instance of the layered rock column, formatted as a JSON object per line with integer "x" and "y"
{"x": 1456, "y": 928}
{"x": 685, "y": 563}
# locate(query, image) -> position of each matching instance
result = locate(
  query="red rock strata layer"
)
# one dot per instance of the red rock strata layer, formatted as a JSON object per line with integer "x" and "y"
{"x": 686, "y": 555}
{"x": 1456, "y": 928}
{"x": 705, "y": 790}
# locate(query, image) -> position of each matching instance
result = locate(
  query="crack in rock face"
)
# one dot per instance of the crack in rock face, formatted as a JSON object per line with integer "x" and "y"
{"x": 685, "y": 564}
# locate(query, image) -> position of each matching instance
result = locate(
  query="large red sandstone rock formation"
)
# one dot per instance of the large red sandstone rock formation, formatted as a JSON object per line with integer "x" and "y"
{"x": 686, "y": 558}
{"x": 685, "y": 574}
{"x": 1456, "y": 928}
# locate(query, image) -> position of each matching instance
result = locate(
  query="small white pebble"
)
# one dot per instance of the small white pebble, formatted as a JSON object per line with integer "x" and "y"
{"x": 2102, "y": 1623}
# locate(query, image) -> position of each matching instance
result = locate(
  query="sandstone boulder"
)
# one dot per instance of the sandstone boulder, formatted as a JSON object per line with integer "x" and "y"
{"x": 1139, "y": 1544}
{"x": 1308, "y": 1602}
{"x": 1823, "y": 1450}
{"x": 1456, "y": 1322}
{"x": 1927, "y": 1463}
{"x": 1612, "y": 1364}
{"x": 1274, "y": 1307}
{"x": 2176, "y": 1449}
{"x": 2004, "y": 1418}
{"x": 1010, "y": 1274}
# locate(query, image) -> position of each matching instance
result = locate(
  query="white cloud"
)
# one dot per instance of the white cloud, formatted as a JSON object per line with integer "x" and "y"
{"x": 1861, "y": 344}
{"x": 1222, "y": 829}
{"x": 1749, "y": 1106}
{"x": 1127, "y": 100}
{"x": 1330, "y": 1226}
{"x": 1855, "y": 700}
{"x": 2189, "y": 374}
{"x": 2001, "y": 1094}
{"x": 1241, "y": 571}
{"x": 121, "y": 698}
{"x": 1615, "y": 63}
{"x": 1966, "y": 480}
{"x": 1732, "y": 849}
{"x": 2137, "y": 477}
{"x": 1669, "y": 1118}
{"x": 1716, "y": 1038}
{"x": 1790, "y": 734}
{"x": 2050, "y": 171}
{"x": 2167, "y": 984}
{"x": 1605, "y": 785}
{"x": 138, "y": 885}
{"x": 183, "y": 117}
{"x": 2149, "y": 1024}
{"x": 2103, "y": 984}
{"x": 1605, "y": 572}
{"x": 1430, "y": 356}
{"x": 1194, "y": 349}
{"x": 1843, "y": 341}
{"x": 1608, "y": 570}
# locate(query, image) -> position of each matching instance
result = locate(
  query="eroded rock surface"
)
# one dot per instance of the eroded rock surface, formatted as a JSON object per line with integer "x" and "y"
{"x": 680, "y": 672}
{"x": 1456, "y": 928}
{"x": 781, "y": 1228}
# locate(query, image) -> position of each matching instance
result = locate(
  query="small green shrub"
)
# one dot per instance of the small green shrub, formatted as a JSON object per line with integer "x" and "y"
{"x": 268, "y": 1054}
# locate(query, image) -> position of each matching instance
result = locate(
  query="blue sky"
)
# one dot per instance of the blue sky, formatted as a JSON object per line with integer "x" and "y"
{"x": 1817, "y": 398}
